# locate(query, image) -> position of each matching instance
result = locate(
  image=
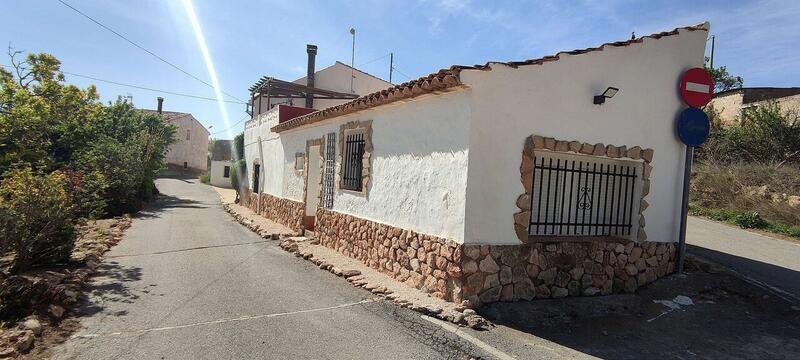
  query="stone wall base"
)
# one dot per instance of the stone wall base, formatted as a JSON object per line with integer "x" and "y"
{"x": 554, "y": 270}
{"x": 421, "y": 261}
{"x": 281, "y": 210}
{"x": 284, "y": 211}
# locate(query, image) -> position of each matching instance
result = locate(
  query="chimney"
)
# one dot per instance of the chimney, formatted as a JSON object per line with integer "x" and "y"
{"x": 312, "y": 53}
{"x": 160, "y": 104}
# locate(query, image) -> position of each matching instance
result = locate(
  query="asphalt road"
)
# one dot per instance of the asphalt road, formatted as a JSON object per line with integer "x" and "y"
{"x": 775, "y": 263}
{"x": 187, "y": 282}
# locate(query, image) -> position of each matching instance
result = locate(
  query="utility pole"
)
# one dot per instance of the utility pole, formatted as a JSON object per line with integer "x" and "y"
{"x": 353, "y": 60}
{"x": 391, "y": 66}
{"x": 713, "y": 40}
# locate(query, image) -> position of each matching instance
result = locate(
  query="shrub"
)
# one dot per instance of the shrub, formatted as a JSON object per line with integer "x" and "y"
{"x": 37, "y": 218}
{"x": 205, "y": 179}
{"x": 766, "y": 134}
{"x": 750, "y": 220}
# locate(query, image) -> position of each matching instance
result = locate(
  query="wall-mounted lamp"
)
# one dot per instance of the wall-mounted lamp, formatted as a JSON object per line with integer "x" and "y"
{"x": 608, "y": 94}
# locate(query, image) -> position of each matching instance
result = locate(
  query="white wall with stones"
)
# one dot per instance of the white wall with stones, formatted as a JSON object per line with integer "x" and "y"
{"x": 555, "y": 100}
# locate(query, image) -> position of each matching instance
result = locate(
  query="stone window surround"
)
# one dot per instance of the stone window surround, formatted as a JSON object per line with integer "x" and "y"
{"x": 344, "y": 130}
{"x": 536, "y": 142}
{"x": 309, "y": 143}
{"x": 301, "y": 157}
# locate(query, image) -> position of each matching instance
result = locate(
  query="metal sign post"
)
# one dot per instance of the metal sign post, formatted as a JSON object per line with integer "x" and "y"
{"x": 687, "y": 175}
{"x": 693, "y": 128}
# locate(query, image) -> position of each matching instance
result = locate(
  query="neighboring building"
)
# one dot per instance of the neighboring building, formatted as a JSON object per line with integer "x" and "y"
{"x": 730, "y": 104}
{"x": 494, "y": 182}
{"x": 317, "y": 90}
{"x": 220, "y": 171}
{"x": 190, "y": 151}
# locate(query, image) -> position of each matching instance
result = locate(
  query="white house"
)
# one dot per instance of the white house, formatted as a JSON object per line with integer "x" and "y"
{"x": 501, "y": 181}
{"x": 190, "y": 151}
{"x": 220, "y": 172}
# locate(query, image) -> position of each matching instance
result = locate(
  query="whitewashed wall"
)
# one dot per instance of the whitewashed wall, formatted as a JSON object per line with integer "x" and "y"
{"x": 193, "y": 151}
{"x": 555, "y": 100}
{"x": 262, "y": 146}
{"x": 217, "y": 174}
{"x": 419, "y": 164}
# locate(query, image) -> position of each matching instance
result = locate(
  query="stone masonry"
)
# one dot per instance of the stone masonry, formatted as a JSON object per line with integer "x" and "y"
{"x": 555, "y": 270}
{"x": 284, "y": 211}
{"x": 421, "y": 261}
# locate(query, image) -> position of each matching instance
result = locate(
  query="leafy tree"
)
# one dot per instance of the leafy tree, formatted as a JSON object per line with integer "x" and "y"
{"x": 722, "y": 79}
{"x": 238, "y": 146}
{"x": 239, "y": 168}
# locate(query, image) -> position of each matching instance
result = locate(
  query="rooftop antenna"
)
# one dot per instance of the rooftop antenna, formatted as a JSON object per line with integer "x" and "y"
{"x": 353, "y": 60}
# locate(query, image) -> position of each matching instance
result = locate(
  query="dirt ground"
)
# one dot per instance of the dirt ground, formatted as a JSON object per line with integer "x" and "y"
{"x": 727, "y": 318}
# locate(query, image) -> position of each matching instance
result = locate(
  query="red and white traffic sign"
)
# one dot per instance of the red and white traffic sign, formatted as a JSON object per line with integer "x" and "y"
{"x": 697, "y": 87}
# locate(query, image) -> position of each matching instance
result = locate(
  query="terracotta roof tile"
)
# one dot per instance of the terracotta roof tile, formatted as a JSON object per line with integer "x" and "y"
{"x": 445, "y": 79}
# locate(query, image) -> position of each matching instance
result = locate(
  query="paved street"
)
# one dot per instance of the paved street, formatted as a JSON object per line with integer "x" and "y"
{"x": 187, "y": 282}
{"x": 773, "y": 262}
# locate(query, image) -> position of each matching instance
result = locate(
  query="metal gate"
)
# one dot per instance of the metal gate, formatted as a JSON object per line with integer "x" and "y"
{"x": 328, "y": 177}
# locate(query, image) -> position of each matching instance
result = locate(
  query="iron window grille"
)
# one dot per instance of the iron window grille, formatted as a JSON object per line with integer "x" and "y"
{"x": 226, "y": 172}
{"x": 328, "y": 177}
{"x": 353, "y": 159}
{"x": 582, "y": 197}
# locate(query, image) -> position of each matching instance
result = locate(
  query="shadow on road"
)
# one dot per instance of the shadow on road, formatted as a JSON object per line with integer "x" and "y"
{"x": 110, "y": 284}
{"x": 166, "y": 202}
{"x": 729, "y": 319}
{"x": 776, "y": 276}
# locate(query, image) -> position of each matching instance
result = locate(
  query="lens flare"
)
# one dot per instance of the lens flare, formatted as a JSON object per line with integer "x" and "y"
{"x": 212, "y": 72}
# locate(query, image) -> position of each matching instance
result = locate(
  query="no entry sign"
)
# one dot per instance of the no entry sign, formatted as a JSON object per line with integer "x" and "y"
{"x": 697, "y": 87}
{"x": 693, "y": 127}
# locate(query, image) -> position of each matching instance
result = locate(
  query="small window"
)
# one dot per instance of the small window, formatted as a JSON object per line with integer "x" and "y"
{"x": 299, "y": 161}
{"x": 353, "y": 160}
{"x": 185, "y": 165}
{"x": 227, "y": 172}
{"x": 584, "y": 196}
{"x": 187, "y": 134}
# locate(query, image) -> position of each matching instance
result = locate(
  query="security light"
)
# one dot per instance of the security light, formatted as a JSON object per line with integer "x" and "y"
{"x": 608, "y": 94}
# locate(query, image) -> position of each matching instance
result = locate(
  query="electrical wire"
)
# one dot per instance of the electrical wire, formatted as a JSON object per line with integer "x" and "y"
{"x": 142, "y": 87}
{"x": 144, "y": 49}
{"x": 229, "y": 127}
{"x": 372, "y": 61}
{"x": 400, "y": 72}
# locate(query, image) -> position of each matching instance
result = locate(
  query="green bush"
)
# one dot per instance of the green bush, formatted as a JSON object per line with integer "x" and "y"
{"x": 750, "y": 220}
{"x": 205, "y": 179}
{"x": 37, "y": 218}
{"x": 766, "y": 134}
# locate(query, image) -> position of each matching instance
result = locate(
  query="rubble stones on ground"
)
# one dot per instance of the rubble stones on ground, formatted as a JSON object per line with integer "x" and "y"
{"x": 33, "y": 325}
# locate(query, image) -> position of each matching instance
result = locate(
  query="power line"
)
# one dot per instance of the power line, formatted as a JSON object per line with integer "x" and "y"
{"x": 229, "y": 127}
{"x": 400, "y": 72}
{"x": 372, "y": 61}
{"x": 143, "y": 49}
{"x": 143, "y": 87}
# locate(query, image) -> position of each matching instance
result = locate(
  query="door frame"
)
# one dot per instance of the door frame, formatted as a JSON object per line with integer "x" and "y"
{"x": 310, "y": 220}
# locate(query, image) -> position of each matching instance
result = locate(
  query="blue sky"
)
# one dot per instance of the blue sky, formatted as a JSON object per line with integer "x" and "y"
{"x": 250, "y": 39}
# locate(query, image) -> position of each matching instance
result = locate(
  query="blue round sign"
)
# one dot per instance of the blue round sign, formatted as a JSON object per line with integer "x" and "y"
{"x": 693, "y": 127}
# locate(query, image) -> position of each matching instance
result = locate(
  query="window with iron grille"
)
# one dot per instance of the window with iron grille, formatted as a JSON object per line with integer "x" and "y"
{"x": 226, "y": 172}
{"x": 328, "y": 177}
{"x": 353, "y": 158}
{"x": 576, "y": 195}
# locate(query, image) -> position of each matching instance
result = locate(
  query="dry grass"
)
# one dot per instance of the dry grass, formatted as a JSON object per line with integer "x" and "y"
{"x": 744, "y": 189}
